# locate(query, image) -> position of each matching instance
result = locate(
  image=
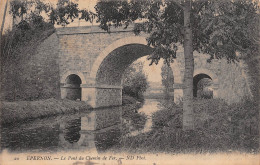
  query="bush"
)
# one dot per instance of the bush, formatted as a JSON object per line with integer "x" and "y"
{"x": 130, "y": 114}
{"x": 171, "y": 112}
{"x": 135, "y": 81}
{"x": 218, "y": 127}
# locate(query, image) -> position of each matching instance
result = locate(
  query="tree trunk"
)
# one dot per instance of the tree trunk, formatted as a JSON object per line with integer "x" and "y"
{"x": 1, "y": 46}
{"x": 188, "y": 116}
{"x": 3, "y": 22}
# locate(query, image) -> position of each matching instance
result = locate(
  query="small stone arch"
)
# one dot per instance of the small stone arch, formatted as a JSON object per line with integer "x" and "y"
{"x": 64, "y": 77}
{"x": 213, "y": 76}
{"x": 205, "y": 73}
{"x": 71, "y": 86}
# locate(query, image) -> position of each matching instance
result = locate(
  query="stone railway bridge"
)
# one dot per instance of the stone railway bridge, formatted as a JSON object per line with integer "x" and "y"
{"x": 92, "y": 62}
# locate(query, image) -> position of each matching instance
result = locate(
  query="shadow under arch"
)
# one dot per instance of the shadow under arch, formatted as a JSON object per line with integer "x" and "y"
{"x": 134, "y": 40}
{"x": 71, "y": 88}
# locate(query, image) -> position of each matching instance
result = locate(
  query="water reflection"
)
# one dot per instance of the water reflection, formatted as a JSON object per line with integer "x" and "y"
{"x": 85, "y": 134}
{"x": 77, "y": 134}
{"x": 93, "y": 132}
{"x": 71, "y": 131}
{"x": 149, "y": 107}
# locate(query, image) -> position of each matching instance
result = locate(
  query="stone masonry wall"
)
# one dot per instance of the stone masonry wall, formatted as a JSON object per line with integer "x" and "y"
{"x": 231, "y": 79}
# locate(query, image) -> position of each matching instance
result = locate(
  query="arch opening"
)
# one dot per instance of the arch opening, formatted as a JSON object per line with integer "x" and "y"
{"x": 107, "y": 71}
{"x": 109, "y": 76}
{"x": 202, "y": 86}
{"x": 72, "y": 87}
{"x": 111, "y": 70}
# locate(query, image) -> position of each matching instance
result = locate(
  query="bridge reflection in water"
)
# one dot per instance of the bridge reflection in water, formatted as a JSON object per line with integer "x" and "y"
{"x": 94, "y": 132}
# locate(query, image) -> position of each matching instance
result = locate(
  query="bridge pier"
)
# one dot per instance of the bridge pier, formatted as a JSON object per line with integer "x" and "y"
{"x": 215, "y": 91}
{"x": 70, "y": 91}
{"x": 102, "y": 95}
{"x": 88, "y": 94}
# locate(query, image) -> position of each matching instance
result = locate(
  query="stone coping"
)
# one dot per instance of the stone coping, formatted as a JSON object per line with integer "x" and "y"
{"x": 91, "y": 30}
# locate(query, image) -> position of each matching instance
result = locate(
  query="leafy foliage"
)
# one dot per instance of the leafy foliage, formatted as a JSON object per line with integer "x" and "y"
{"x": 203, "y": 88}
{"x": 219, "y": 28}
{"x": 19, "y": 8}
{"x": 66, "y": 11}
{"x": 231, "y": 27}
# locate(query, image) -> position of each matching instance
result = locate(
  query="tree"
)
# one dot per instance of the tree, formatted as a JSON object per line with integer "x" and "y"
{"x": 3, "y": 22}
{"x": 1, "y": 32}
{"x": 204, "y": 89}
{"x": 167, "y": 78}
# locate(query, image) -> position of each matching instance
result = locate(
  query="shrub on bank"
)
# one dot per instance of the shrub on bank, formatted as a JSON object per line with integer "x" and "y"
{"x": 24, "y": 110}
{"x": 218, "y": 128}
{"x": 131, "y": 115}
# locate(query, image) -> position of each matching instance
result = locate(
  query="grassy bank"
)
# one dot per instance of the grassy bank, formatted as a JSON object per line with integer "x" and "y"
{"x": 25, "y": 110}
{"x": 20, "y": 111}
{"x": 218, "y": 128}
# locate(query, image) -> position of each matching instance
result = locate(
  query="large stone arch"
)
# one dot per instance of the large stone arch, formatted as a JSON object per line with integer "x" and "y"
{"x": 121, "y": 42}
{"x": 106, "y": 73}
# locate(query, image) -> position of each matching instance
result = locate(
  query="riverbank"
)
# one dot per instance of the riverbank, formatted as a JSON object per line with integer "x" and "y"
{"x": 218, "y": 128}
{"x": 21, "y": 111}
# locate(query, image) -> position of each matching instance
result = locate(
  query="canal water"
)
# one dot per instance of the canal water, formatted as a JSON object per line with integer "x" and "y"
{"x": 94, "y": 131}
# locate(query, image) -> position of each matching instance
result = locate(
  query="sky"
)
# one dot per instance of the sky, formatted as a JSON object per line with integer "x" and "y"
{"x": 153, "y": 72}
